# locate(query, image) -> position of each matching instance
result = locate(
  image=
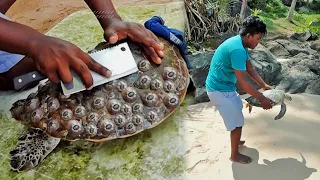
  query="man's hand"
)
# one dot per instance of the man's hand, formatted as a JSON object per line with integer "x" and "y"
{"x": 265, "y": 102}
{"x": 55, "y": 58}
{"x": 118, "y": 30}
{"x": 266, "y": 87}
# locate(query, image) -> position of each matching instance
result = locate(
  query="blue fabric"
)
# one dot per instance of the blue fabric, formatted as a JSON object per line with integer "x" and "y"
{"x": 156, "y": 25}
{"x": 228, "y": 56}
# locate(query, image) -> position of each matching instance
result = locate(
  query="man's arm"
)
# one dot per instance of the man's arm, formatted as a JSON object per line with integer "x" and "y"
{"x": 5, "y": 5}
{"x": 17, "y": 38}
{"x": 254, "y": 74}
{"x": 243, "y": 80}
{"x": 103, "y": 10}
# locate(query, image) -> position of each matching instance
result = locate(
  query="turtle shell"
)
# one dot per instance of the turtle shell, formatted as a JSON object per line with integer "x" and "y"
{"x": 117, "y": 109}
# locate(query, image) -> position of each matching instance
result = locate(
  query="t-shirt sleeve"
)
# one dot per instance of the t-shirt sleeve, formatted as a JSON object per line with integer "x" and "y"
{"x": 238, "y": 59}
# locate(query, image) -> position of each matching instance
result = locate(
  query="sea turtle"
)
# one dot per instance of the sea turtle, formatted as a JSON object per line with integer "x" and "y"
{"x": 117, "y": 109}
{"x": 277, "y": 96}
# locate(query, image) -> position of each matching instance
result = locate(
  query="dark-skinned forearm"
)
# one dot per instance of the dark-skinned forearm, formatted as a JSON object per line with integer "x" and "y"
{"x": 256, "y": 77}
{"x": 103, "y": 10}
{"x": 17, "y": 38}
{"x": 247, "y": 87}
{"x": 5, "y": 5}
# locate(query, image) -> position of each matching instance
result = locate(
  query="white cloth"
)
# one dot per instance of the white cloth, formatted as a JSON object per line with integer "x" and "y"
{"x": 8, "y": 60}
{"x": 229, "y": 105}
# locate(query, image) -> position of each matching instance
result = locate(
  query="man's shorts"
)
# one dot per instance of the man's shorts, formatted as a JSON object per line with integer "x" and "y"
{"x": 229, "y": 106}
{"x": 8, "y": 60}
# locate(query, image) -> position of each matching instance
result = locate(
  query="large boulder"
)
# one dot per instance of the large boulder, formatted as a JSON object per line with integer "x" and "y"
{"x": 300, "y": 74}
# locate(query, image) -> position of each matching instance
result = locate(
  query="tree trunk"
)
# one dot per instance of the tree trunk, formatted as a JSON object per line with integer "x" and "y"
{"x": 293, "y": 6}
{"x": 243, "y": 9}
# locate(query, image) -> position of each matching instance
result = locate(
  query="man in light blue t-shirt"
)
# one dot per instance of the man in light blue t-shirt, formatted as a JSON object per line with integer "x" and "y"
{"x": 230, "y": 64}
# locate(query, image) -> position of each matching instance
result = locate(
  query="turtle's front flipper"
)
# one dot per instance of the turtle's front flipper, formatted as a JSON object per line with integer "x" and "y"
{"x": 282, "y": 111}
{"x": 249, "y": 106}
{"x": 32, "y": 148}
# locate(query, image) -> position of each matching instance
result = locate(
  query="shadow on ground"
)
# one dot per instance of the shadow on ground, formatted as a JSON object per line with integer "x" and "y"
{"x": 279, "y": 169}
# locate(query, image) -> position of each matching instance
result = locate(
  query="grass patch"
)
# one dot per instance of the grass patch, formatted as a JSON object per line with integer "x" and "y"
{"x": 275, "y": 18}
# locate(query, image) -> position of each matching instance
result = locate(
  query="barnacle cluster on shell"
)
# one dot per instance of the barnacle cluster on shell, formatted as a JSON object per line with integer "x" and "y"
{"x": 116, "y": 109}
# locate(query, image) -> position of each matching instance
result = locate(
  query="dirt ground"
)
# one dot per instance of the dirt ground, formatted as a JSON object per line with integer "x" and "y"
{"x": 42, "y": 15}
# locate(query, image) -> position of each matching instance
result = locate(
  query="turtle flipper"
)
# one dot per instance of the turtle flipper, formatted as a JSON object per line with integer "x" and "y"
{"x": 288, "y": 97}
{"x": 249, "y": 106}
{"x": 282, "y": 111}
{"x": 32, "y": 148}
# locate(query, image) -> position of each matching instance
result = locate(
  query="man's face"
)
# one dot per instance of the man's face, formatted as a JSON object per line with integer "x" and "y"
{"x": 254, "y": 40}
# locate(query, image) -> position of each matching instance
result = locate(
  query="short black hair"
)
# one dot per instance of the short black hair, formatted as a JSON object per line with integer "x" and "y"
{"x": 253, "y": 25}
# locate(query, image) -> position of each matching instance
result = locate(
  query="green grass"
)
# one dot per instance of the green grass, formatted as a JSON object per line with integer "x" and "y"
{"x": 275, "y": 18}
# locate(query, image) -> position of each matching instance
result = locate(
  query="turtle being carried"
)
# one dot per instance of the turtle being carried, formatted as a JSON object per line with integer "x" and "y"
{"x": 117, "y": 109}
{"x": 277, "y": 96}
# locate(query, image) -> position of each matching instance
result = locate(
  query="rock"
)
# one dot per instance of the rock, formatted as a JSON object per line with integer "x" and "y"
{"x": 316, "y": 45}
{"x": 300, "y": 74}
{"x": 277, "y": 49}
{"x": 293, "y": 48}
{"x": 301, "y": 36}
{"x": 201, "y": 64}
{"x": 265, "y": 63}
{"x": 201, "y": 95}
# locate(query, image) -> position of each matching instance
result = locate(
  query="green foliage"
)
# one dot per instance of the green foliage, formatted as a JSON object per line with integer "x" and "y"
{"x": 257, "y": 4}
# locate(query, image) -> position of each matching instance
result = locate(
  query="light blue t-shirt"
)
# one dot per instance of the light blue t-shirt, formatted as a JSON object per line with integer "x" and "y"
{"x": 228, "y": 56}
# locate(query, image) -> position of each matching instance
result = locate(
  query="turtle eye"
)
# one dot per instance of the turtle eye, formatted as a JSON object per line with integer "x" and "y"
{"x": 66, "y": 114}
{"x": 144, "y": 65}
{"x": 137, "y": 120}
{"x": 75, "y": 128}
{"x": 150, "y": 99}
{"x": 120, "y": 120}
{"x": 114, "y": 106}
{"x": 169, "y": 73}
{"x": 130, "y": 128}
{"x": 171, "y": 100}
{"x": 129, "y": 94}
{"x": 152, "y": 116}
{"x": 156, "y": 84}
{"x": 144, "y": 82}
{"x": 31, "y": 105}
{"x": 126, "y": 109}
{"x": 98, "y": 102}
{"x": 80, "y": 111}
{"x": 93, "y": 118}
{"x": 121, "y": 85}
{"x": 53, "y": 105}
{"x": 107, "y": 127}
{"x": 137, "y": 108}
{"x": 37, "y": 115}
{"x": 169, "y": 86}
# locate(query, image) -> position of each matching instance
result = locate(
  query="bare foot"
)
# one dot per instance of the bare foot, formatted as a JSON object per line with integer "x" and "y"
{"x": 240, "y": 158}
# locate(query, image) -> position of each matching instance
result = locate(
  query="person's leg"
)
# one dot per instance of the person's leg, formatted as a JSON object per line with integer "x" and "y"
{"x": 235, "y": 134}
{"x": 231, "y": 111}
{"x": 236, "y": 156}
{"x": 24, "y": 66}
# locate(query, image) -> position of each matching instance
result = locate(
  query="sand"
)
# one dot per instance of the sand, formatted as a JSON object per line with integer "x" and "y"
{"x": 42, "y": 15}
{"x": 277, "y": 147}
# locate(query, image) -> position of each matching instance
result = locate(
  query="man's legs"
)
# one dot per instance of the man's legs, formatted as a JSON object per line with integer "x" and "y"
{"x": 230, "y": 107}
{"x": 235, "y": 136}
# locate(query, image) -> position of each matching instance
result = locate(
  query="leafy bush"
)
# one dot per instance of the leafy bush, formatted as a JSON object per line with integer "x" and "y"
{"x": 257, "y": 4}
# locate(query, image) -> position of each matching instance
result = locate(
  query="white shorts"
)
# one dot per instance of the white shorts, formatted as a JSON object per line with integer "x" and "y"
{"x": 8, "y": 60}
{"x": 229, "y": 106}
